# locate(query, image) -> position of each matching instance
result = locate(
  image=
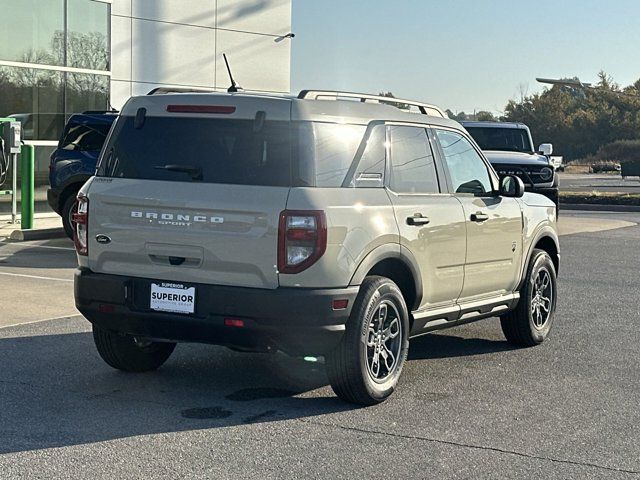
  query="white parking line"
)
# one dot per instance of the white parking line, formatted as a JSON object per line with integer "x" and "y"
{"x": 37, "y": 277}
{"x": 73, "y": 315}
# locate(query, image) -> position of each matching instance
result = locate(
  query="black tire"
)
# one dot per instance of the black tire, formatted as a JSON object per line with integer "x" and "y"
{"x": 123, "y": 352}
{"x": 68, "y": 209}
{"x": 523, "y": 326}
{"x": 349, "y": 366}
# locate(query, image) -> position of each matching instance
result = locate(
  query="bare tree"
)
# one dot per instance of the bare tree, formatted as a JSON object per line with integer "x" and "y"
{"x": 84, "y": 50}
{"x": 523, "y": 91}
{"x": 31, "y": 77}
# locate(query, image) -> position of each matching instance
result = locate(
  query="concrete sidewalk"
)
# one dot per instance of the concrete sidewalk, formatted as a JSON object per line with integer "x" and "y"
{"x": 40, "y": 200}
{"x": 572, "y": 224}
{"x": 37, "y": 280}
{"x": 45, "y": 225}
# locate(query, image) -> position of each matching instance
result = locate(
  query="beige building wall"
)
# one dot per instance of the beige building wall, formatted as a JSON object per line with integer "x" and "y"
{"x": 180, "y": 43}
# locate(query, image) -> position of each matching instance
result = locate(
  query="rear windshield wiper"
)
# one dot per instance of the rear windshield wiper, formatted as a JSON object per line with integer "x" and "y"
{"x": 195, "y": 172}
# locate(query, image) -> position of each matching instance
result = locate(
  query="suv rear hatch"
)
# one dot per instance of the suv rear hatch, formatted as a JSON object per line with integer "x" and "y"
{"x": 190, "y": 188}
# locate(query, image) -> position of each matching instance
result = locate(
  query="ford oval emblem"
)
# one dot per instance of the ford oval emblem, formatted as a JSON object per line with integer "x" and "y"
{"x": 103, "y": 239}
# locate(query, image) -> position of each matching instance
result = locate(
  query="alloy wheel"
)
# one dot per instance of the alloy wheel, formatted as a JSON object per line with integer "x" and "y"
{"x": 384, "y": 341}
{"x": 541, "y": 298}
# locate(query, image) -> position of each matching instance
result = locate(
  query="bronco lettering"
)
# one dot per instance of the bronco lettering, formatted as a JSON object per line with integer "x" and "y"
{"x": 176, "y": 219}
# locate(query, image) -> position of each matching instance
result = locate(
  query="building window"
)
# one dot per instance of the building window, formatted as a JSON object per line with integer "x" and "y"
{"x": 43, "y": 99}
{"x": 32, "y": 31}
{"x": 88, "y": 35}
{"x": 36, "y": 98}
{"x": 36, "y": 31}
{"x": 54, "y": 62}
{"x": 39, "y": 33}
{"x": 85, "y": 91}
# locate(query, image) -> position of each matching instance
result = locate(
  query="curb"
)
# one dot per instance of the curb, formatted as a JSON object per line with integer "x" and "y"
{"x": 596, "y": 207}
{"x": 37, "y": 234}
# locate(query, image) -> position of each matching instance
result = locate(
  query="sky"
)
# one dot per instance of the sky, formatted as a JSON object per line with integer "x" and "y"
{"x": 461, "y": 54}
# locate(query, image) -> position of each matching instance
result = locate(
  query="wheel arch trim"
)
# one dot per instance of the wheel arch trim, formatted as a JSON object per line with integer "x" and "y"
{"x": 545, "y": 232}
{"x": 386, "y": 252}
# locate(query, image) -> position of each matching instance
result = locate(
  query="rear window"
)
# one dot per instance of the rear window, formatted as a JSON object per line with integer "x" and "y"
{"x": 206, "y": 150}
{"x": 274, "y": 153}
{"x": 85, "y": 137}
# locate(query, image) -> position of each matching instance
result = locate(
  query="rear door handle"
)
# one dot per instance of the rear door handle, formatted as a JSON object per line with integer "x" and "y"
{"x": 417, "y": 219}
{"x": 479, "y": 217}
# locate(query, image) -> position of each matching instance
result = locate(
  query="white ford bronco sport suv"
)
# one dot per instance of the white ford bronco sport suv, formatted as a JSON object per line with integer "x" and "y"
{"x": 329, "y": 224}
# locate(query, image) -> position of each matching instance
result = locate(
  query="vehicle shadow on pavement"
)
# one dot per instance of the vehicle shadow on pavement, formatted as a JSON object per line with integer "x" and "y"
{"x": 35, "y": 257}
{"x": 438, "y": 345}
{"x": 55, "y": 391}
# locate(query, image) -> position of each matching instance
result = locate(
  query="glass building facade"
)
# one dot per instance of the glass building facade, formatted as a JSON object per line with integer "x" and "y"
{"x": 54, "y": 61}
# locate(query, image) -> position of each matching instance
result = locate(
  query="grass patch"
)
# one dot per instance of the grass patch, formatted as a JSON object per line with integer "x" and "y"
{"x": 600, "y": 198}
{"x": 577, "y": 169}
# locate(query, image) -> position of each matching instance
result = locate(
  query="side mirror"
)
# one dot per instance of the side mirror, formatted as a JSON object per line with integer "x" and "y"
{"x": 511, "y": 186}
{"x": 546, "y": 149}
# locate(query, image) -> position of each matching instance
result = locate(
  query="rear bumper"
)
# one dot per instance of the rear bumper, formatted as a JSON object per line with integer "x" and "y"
{"x": 295, "y": 320}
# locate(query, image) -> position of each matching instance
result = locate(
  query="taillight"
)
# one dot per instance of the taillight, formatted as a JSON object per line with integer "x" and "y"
{"x": 81, "y": 225}
{"x": 302, "y": 239}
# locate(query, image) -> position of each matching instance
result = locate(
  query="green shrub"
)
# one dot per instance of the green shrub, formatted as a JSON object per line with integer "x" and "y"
{"x": 620, "y": 151}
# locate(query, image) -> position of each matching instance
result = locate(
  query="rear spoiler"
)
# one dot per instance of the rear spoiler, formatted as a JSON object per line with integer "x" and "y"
{"x": 164, "y": 90}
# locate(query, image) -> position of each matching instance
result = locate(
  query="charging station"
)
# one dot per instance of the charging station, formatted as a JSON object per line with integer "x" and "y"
{"x": 10, "y": 142}
{"x": 10, "y": 147}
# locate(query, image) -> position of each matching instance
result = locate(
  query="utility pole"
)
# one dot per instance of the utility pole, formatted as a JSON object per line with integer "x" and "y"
{"x": 577, "y": 84}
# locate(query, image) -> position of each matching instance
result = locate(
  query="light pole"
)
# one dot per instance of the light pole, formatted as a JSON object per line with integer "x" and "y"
{"x": 568, "y": 82}
{"x": 577, "y": 84}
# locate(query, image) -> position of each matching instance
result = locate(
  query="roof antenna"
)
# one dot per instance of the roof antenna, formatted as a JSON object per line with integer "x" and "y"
{"x": 234, "y": 87}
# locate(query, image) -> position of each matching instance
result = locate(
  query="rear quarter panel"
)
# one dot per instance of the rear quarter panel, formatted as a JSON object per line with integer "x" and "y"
{"x": 358, "y": 221}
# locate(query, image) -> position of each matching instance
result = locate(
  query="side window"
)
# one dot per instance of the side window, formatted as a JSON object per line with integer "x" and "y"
{"x": 468, "y": 172}
{"x": 326, "y": 151}
{"x": 370, "y": 171}
{"x": 412, "y": 166}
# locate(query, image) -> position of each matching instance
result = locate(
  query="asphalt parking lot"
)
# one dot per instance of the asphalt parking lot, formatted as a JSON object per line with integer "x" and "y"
{"x": 468, "y": 405}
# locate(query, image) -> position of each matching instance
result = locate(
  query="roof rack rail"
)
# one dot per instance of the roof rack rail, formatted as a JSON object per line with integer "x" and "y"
{"x": 163, "y": 90}
{"x": 425, "y": 108}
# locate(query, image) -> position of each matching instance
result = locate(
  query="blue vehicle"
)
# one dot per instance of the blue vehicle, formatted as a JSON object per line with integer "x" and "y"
{"x": 74, "y": 161}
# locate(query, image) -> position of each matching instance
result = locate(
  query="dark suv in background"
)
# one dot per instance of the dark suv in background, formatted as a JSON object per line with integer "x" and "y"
{"x": 509, "y": 148}
{"x": 74, "y": 161}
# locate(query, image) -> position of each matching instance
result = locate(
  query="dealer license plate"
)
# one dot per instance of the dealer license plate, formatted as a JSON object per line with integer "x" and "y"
{"x": 172, "y": 297}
